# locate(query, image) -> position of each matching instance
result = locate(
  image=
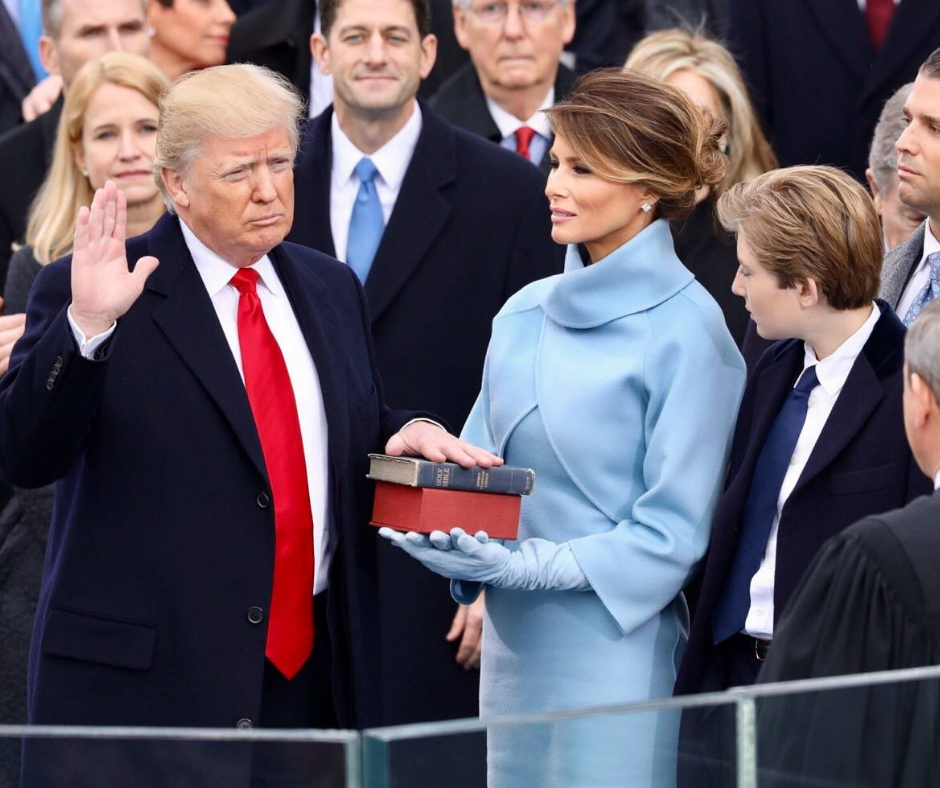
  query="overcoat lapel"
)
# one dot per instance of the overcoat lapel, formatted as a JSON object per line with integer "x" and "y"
{"x": 189, "y": 323}
{"x": 419, "y": 216}
{"x": 844, "y": 26}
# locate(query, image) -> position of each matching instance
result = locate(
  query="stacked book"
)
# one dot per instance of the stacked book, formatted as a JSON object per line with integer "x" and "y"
{"x": 412, "y": 494}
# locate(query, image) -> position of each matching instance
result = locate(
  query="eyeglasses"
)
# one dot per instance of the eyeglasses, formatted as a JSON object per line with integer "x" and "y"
{"x": 496, "y": 11}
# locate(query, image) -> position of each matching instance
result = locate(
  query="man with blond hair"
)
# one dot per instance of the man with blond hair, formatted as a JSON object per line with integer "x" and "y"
{"x": 205, "y": 394}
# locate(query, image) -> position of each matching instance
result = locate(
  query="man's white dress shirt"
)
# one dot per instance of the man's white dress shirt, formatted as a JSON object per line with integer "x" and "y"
{"x": 391, "y": 161}
{"x": 508, "y": 124}
{"x": 832, "y": 373}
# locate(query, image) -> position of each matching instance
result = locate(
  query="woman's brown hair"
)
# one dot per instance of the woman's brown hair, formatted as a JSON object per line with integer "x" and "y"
{"x": 631, "y": 128}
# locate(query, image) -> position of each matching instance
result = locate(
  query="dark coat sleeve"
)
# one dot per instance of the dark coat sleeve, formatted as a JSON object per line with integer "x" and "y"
{"x": 20, "y": 277}
{"x": 854, "y": 612}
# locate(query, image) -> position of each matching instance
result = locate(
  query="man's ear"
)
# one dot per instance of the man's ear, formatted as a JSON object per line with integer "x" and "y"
{"x": 460, "y": 27}
{"x": 925, "y": 403}
{"x": 428, "y": 54}
{"x": 321, "y": 52}
{"x": 568, "y": 25}
{"x": 176, "y": 187}
{"x": 49, "y": 55}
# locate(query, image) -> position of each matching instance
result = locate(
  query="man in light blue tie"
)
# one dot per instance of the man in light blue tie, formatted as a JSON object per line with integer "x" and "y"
{"x": 441, "y": 227}
{"x": 910, "y": 278}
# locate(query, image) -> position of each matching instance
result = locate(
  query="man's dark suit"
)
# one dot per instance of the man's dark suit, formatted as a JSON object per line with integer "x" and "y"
{"x": 162, "y": 537}
{"x": 461, "y": 101}
{"x": 861, "y": 465}
{"x": 25, "y": 155}
{"x": 16, "y": 73}
{"x": 815, "y": 77}
{"x": 899, "y": 265}
{"x": 469, "y": 228}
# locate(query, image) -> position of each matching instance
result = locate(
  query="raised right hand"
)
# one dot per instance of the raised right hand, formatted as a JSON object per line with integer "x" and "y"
{"x": 103, "y": 287}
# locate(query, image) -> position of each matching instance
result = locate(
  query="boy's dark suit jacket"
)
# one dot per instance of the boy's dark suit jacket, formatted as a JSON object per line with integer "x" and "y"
{"x": 861, "y": 465}
{"x": 470, "y": 227}
{"x": 162, "y": 538}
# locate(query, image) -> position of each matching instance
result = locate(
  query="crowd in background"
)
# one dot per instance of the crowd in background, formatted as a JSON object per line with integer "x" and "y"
{"x": 772, "y": 254}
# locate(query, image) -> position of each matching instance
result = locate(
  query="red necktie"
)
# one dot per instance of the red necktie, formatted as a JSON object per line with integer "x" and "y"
{"x": 878, "y": 16}
{"x": 524, "y": 136}
{"x": 290, "y": 622}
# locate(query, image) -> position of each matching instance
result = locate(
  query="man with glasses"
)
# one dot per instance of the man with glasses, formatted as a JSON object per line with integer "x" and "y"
{"x": 514, "y": 71}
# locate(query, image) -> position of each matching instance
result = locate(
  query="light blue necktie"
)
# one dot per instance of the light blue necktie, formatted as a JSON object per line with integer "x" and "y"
{"x": 367, "y": 223}
{"x": 929, "y": 293}
{"x": 30, "y": 31}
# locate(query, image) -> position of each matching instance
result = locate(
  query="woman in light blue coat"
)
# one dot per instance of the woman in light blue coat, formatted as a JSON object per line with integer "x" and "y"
{"x": 618, "y": 382}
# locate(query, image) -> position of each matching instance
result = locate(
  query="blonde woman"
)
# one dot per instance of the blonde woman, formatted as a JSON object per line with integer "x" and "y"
{"x": 108, "y": 131}
{"x": 707, "y": 72}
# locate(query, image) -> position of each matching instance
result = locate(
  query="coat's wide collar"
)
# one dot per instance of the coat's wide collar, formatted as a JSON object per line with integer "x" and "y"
{"x": 639, "y": 275}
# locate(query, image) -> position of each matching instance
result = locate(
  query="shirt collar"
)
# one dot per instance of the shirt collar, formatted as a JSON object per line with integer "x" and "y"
{"x": 216, "y": 272}
{"x": 833, "y": 370}
{"x": 931, "y": 244}
{"x": 391, "y": 160}
{"x": 509, "y": 124}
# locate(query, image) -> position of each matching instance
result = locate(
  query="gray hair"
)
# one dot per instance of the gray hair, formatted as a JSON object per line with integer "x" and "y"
{"x": 922, "y": 347}
{"x": 231, "y": 102}
{"x": 53, "y": 11}
{"x": 883, "y": 156}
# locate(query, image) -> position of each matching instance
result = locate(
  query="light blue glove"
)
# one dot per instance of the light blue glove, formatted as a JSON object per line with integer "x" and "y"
{"x": 537, "y": 564}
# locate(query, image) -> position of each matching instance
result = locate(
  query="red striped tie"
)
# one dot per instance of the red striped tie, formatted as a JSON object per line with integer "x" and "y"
{"x": 290, "y": 622}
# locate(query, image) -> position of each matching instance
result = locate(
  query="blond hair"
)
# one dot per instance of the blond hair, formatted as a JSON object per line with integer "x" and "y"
{"x": 630, "y": 128}
{"x": 667, "y": 52}
{"x": 51, "y": 222}
{"x": 810, "y": 222}
{"x": 231, "y": 102}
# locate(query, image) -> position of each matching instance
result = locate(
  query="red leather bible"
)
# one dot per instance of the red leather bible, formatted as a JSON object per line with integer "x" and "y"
{"x": 426, "y": 509}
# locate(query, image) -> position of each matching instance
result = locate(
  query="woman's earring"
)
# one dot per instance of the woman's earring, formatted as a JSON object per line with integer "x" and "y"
{"x": 151, "y": 32}
{"x": 85, "y": 173}
{"x": 646, "y": 207}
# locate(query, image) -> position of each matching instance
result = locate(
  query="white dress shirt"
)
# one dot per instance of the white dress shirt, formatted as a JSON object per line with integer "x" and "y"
{"x": 216, "y": 274}
{"x": 508, "y": 124}
{"x": 862, "y": 4}
{"x": 936, "y": 481}
{"x": 832, "y": 373}
{"x": 921, "y": 275}
{"x": 391, "y": 161}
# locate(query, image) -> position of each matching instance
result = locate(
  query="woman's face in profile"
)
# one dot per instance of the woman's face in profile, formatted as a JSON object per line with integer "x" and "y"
{"x": 589, "y": 209}
{"x": 195, "y": 31}
{"x": 119, "y": 138}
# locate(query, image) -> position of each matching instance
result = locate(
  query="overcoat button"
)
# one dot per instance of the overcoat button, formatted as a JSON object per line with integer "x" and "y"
{"x": 244, "y": 722}
{"x": 255, "y": 615}
{"x": 264, "y": 500}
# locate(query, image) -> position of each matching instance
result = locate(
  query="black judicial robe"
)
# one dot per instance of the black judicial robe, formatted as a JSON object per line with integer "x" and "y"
{"x": 870, "y": 602}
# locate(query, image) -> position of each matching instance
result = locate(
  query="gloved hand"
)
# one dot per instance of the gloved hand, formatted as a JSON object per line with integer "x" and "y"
{"x": 536, "y": 564}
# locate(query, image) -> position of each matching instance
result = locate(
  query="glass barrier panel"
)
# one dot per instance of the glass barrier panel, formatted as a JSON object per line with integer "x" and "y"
{"x": 87, "y": 757}
{"x": 612, "y": 747}
{"x": 868, "y": 733}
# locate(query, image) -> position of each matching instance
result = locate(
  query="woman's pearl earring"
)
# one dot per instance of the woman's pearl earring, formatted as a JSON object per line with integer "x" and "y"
{"x": 646, "y": 207}
{"x": 85, "y": 173}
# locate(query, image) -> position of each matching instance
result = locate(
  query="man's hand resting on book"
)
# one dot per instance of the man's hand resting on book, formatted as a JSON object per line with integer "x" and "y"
{"x": 536, "y": 564}
{"x": 426, "y": 439}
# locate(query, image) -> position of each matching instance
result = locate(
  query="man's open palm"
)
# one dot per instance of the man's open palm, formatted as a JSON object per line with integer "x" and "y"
{"x": 103, "y": 287}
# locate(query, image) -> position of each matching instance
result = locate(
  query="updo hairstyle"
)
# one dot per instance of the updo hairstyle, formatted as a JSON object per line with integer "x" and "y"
{"x": 627, "y": 127}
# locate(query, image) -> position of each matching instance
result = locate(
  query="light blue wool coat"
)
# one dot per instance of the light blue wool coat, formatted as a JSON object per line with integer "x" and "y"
{"x": 619, "y": 384}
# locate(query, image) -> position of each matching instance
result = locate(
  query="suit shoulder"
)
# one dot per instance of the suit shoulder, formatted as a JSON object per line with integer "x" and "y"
{"x": 306, "y": 255}
{"x": 495, "y": 165}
